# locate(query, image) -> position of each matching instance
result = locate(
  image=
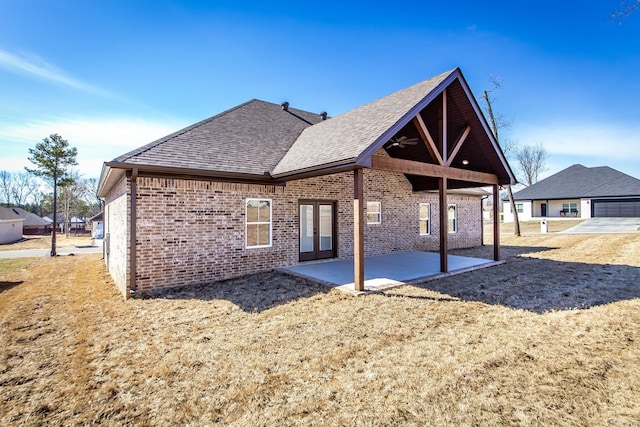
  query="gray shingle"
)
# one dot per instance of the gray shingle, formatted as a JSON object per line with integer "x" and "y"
{"x": 578, "y": 181}
{"x": 250, "y": 138}
{"x": 30, "y": 219}
{"x": 343, "y": 138}
{"x": 8, "y": 214}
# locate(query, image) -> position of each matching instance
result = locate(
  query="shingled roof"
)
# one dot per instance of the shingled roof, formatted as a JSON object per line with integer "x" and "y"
{"x": 578, "y": 181}
{"x": 30, "y": 219}
{"x": 248, "y": 139}
{"x": 261, "y": 141}
{"x": 8, "y": 214}
{"x": 345, "y": 137}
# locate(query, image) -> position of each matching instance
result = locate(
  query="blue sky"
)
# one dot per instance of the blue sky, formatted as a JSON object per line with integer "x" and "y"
{"x": 110, "y": 76}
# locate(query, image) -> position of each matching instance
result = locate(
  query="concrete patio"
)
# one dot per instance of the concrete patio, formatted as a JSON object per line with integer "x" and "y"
{"x": 386, "y": 271}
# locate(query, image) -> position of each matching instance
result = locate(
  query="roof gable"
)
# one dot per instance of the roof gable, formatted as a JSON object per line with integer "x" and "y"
{"x": 354, "y": 137}
{"x": 578, "y": 181}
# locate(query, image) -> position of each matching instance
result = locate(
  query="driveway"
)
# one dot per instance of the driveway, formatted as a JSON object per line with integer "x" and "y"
{"x": 29, "y": 253}
{"x": 606, "y": 225}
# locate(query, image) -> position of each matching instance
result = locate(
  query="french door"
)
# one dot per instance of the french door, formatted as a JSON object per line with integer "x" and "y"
{"x": 317, "y": 229}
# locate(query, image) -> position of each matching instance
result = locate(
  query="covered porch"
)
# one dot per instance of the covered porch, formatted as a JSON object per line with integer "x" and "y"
{"x": 386, "y": 271}
{"x": 434, "y": 134}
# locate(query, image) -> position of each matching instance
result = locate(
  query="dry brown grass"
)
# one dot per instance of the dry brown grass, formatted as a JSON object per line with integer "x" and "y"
{"x": 272, "y": 350}
{"x": 44, "y": 242}
{"x": 533, "y": 227}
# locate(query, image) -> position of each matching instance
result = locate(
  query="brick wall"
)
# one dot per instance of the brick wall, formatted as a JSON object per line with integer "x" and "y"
{"x": 191, "y": 232}
{"x": 116, "y": 226}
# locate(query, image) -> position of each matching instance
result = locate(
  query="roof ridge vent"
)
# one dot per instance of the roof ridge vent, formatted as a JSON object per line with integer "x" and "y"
{"x": 323, "y": 115}
{"x": 285, "y": 106}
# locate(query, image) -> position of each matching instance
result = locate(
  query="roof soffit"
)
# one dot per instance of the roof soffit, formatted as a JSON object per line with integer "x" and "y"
{"x": 468, "y": 135}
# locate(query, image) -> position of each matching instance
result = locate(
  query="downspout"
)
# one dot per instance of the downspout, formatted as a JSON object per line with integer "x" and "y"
{"x": 132, "y": 235}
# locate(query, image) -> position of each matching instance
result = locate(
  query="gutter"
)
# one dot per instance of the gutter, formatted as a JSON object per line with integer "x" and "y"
{"x": 133, "y": 234}
{"x": 326, "y": 169}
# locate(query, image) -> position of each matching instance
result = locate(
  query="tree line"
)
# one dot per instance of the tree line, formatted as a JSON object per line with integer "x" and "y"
{"x": 35, "y": 195}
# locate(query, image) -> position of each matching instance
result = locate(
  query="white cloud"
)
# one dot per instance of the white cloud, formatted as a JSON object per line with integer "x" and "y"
{"x": 592, "y": 139}
{"x": 38, "y": 67}
{"x": 97, "y": 140}
{"x": 591, "y": 144}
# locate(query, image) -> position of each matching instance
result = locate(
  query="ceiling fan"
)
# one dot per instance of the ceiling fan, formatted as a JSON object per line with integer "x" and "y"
{"x": 402, "y": 141}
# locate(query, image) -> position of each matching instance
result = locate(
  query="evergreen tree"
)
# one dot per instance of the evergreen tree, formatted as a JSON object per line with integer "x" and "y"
{"x": 52, "y": 157}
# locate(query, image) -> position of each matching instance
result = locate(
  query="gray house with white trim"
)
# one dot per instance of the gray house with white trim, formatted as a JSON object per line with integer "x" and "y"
{"x": 578, "y": 192}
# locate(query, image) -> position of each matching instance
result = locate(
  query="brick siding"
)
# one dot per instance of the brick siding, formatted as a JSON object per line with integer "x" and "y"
{"x": 116, "y": 229}
{"x": 191, "y": 232}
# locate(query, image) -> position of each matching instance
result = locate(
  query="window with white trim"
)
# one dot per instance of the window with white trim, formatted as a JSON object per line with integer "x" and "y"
{"x": 425, "y": 219}
{"x": 258, "y": 223}
{"x": 520, "y": 207}
{"x": 452, "y": 218}
{"x": 374, "y": 213}
{"x": 569, "y": 209}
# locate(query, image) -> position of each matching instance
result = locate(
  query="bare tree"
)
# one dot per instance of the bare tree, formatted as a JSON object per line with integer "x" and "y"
{"x": 532, "y": 160}
{"x": 5, "y": 187}
{"x": 90, "y": 195}
{"x": 498, "y": 122}
{"x": 16, "y": 188}
{"x": 23, "y": 186}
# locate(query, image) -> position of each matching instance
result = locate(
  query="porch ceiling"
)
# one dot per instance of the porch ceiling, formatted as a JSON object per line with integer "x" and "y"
{"x": 476, "y": 153}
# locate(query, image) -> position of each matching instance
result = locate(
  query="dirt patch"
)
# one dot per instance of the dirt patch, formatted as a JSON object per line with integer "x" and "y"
{"x": 272, "y": 350}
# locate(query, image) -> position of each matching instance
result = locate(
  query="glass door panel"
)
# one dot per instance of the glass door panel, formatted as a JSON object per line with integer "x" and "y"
{"x": 326, "y": 227}
{"x": 306, "y": 228}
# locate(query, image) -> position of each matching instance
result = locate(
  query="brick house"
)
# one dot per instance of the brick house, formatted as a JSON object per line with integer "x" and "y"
{"x": 266, "y": 185}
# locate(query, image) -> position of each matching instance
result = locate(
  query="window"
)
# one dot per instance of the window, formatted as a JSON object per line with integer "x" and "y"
{"x": 569, "y": 209}
{"x": 425, "y": 219}
{"x": 519, "y": 208}
{"x": 258, "y": 223}
{"x": 374, "y": 213}
{"x": 452, "y": 214}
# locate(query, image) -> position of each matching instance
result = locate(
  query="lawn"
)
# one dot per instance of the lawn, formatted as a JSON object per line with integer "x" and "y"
{"x": 502, "y": 345}
{"x": 44, "y": 242}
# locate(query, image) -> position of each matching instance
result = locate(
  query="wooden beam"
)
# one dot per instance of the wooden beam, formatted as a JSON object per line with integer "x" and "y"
{"x": 445, "y": 149}
{"x": 496, "y": 223}
{"x": 428, "y": 140}
{"x": 411, "y": 167}
{"x": 444, "y": 229}
{"x": 463, "y": 136}
{"x": 358, "y": 230}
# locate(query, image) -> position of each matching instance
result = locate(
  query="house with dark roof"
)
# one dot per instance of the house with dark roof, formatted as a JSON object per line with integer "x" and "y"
{"x": 33, "y": 224}
{"x": 266, "y": 185}
{"x": 10, "y": 226}
{"x": 578, "y": 192}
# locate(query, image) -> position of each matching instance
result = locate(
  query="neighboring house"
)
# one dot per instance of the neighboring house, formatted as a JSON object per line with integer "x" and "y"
{"x": 33, "y": 224}
{"x": 264, "y": 185}
{"x": 75, "y": 224}
{"x": 97, "y": 226}
{"x": 10, "y": 226}
{"x": 578, "y": 192}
